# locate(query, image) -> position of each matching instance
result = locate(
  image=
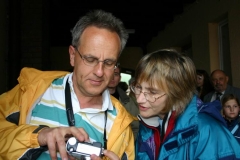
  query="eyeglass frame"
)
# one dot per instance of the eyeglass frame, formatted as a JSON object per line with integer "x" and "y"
{"x": 146, "y": 93}
{"x": 104, "y": 61}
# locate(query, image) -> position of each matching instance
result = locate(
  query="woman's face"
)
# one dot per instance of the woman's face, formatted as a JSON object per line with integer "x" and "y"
{"x": 151, "y": 100}
{"x": 200, "y": 80}
{"x": 231, "y": 109}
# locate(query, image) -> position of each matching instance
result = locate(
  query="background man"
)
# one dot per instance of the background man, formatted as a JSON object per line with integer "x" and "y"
{"x": 221, "y": 87}
{"x": 128, "y": 102}
{"x": 114, "y": 88}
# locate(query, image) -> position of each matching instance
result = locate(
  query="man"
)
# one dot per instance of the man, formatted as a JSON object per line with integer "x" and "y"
{"x": 129, "y": 103}
{"x": 221, "y": 87}
{"x": 114, "y": 88}
{"x": 46, "y": 108}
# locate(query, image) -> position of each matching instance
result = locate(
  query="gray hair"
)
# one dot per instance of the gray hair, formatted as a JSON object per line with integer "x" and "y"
{"x": 100, "y": 19}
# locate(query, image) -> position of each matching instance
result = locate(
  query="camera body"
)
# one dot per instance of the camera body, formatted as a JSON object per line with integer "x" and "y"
{"x": 83, "y": 150}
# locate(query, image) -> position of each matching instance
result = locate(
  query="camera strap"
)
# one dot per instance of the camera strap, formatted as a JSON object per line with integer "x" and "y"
{"x": 70, "y": 115}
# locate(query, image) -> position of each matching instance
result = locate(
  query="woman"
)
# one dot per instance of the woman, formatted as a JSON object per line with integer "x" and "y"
{"x": 204, "y": 85}
{"x": 174, "y": 124}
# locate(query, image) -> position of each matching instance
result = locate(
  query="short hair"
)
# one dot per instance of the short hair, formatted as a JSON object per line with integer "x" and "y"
{"x": 171, "y": 71}
{"x": 100, "y": 19}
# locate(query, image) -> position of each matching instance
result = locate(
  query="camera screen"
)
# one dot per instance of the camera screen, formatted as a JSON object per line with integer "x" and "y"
{"x": 88, "y": 149}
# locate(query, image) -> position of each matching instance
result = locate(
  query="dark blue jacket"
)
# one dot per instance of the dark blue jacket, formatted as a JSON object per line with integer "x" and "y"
{"x": 234, "y": 128}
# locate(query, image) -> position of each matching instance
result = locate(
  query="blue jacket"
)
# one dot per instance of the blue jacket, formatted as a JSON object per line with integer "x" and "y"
{"x": 234, "y": 127}
{"x": 200, "y": 132}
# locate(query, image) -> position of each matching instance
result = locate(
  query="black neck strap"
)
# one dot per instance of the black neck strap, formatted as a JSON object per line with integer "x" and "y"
{"x": 70, "y": 115}
{"x": 68, "y": 102}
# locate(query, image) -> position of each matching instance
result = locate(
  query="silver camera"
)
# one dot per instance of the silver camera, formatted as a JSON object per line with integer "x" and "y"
{"x": 83, "y": 150}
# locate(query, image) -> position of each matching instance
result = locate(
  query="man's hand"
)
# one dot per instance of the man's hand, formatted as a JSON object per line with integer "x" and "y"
{"x": 111, "y": 155}
{"x": 55, "y": 139}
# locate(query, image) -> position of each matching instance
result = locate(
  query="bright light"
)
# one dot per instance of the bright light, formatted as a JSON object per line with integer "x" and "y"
{"x": 125, "y": 77}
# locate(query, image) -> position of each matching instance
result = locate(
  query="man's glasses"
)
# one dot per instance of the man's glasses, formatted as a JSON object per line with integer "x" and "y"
{"x": 151, "y": 97}
{"x": 92, "y": 61}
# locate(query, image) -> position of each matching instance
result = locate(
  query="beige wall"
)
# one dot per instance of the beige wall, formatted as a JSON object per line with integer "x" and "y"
{"x": 193, "y": 27}
{"x": 234, "y": 36}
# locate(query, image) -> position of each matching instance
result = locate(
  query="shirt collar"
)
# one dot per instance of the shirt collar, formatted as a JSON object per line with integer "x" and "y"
{"x": 107, "y": 103}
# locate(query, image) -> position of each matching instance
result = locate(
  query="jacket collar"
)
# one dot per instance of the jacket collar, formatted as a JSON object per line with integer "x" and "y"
{"x": 185, "y": 129}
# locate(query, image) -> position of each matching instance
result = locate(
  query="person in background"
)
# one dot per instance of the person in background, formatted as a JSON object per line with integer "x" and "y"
{"x": 204, "y": 85}
{"x": 126, "y": 100}
{"x": 114, "y": 88}
{"x": 123, "y": 85}
{"x": 132, "y": 107}
{"x": 174, "y": 122}
{"x": 47, "y": 107}
{"x": 230, "y": 112}
{"x": 221, "y": 87}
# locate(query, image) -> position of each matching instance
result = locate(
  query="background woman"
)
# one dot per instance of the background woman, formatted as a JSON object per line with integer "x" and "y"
{"x": 204, "y": 85}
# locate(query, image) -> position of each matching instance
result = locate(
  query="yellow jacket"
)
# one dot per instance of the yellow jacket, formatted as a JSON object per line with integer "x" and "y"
{"x": 17, "y": 140}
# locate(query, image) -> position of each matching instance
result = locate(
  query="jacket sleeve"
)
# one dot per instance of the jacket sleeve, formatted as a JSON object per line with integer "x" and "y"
{"x": 16, "y": 140}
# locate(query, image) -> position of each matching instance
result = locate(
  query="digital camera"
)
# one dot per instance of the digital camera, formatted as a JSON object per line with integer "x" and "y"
{"x": 83, "y": 150}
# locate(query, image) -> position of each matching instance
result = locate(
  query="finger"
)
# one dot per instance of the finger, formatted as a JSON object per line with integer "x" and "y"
{"x": 60, "y": 141}
{"x": 71, "y": 158}
{"x": 95, "y": 157}
{"x": 51, "y": 143}
{"x": 81, "y": 135}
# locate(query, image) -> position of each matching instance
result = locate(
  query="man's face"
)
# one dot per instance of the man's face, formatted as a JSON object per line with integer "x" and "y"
{"x": 219, "y": 81}
{"x": 116, "y": 79}
{"x": 98, "y": 43}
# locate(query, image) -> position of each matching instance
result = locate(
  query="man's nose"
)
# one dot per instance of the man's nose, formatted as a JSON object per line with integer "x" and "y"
{"x": 99, "y": 69}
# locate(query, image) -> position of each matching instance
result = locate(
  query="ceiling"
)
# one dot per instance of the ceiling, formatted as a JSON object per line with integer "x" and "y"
{"x": 144, "y": 19}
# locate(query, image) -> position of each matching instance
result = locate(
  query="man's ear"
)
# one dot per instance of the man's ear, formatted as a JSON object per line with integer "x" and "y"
{"x": 71, "y": 51}
{"x": 227, "y": 78}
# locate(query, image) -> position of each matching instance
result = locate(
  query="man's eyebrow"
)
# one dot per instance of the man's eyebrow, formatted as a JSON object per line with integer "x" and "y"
{"x": 92, "y": 56}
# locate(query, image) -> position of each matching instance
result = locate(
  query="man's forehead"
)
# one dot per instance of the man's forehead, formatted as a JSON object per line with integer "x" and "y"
{"x": 219, "y": 74}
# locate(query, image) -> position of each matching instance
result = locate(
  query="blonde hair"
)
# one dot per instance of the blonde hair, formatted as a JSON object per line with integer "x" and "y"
{"x": 173, "y": 72}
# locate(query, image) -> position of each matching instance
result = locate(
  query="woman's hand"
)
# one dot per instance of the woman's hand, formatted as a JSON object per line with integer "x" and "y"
{"x": 111, "y": 155}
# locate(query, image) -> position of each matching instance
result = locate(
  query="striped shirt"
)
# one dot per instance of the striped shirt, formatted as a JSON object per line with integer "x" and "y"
{"x": 51, "y": 111}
